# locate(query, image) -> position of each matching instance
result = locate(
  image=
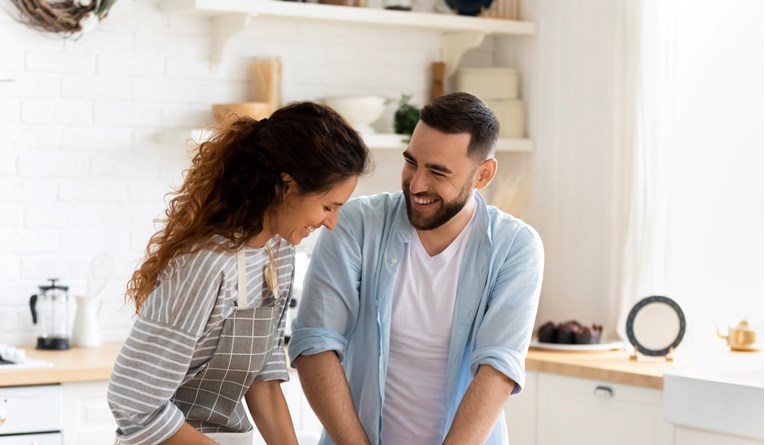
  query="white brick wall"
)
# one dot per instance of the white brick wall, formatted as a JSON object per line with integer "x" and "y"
{"x": 80, "y": 173}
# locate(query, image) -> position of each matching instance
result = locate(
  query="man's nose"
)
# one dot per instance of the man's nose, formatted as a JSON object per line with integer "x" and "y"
{"x": 418, "y": 183}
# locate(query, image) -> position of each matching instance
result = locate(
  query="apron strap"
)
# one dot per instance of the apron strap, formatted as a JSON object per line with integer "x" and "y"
{"x": 241, "y": 276}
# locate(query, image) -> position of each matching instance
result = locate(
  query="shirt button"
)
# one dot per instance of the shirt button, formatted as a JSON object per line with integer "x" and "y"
{"x": 394, "y": 260}
{"x": 408, "y": 236}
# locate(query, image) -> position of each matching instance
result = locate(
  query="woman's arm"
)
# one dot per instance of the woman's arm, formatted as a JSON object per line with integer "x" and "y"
{"x": 270, "y": 412}
{"x": 187, "y": 435}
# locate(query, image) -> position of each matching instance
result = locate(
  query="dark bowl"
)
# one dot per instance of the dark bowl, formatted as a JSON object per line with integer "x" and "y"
{"x": 468, "y": 7}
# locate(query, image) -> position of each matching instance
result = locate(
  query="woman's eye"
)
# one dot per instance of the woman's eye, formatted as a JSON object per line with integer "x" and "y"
{"x": 327, "y": 209}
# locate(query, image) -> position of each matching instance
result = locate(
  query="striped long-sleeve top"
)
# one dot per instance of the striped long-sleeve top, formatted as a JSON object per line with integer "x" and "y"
{"x": 177, "y": 331}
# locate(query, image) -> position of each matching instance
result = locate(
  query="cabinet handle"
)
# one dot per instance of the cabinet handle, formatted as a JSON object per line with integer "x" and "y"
{"x": 603, "y": 391}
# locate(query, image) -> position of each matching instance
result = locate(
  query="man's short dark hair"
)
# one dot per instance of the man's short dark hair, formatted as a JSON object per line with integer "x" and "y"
{"x": 464, "y": 113}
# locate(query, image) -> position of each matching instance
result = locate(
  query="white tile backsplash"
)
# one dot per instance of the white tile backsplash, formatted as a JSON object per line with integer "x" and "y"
{"x": 81, "y": 175}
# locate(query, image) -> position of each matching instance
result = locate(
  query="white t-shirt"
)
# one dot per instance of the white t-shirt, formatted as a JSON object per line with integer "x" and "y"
{"x": 423, "y": 305}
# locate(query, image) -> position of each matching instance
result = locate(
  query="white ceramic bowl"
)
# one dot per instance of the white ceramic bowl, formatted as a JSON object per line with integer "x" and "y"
{"x": 359, "y": 111}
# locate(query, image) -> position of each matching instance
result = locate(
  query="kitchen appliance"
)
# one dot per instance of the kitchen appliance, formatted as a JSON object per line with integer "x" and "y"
{"x": 86, "y": 331}
{"x": 50, "y": 312}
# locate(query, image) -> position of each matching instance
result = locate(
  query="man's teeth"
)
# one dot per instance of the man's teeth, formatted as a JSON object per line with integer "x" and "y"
{"x": 422, "y": 201}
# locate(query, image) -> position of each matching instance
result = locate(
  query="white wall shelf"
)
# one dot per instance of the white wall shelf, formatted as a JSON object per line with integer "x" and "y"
{"x": 375, "y": 141}
{"x": 459, "y": 33}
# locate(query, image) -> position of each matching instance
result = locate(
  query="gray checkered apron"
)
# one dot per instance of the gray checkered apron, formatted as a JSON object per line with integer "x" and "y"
{"x": 212, "y": 400}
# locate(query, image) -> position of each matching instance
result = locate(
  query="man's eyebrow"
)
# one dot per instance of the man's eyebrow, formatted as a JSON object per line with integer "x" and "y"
{"x": 435, "y": 167}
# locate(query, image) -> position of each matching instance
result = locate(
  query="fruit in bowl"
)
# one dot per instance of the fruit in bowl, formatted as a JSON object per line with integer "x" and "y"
{"x": 359, "y": 111}
{"x": 569, "y": 333}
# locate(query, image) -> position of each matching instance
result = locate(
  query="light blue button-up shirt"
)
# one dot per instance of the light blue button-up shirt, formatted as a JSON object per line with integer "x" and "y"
{"x": 347, "y": 294}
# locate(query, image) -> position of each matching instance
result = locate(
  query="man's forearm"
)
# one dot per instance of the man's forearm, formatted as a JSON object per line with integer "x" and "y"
{"x": 480, "y": 408}
{"x": 326, "y": 388}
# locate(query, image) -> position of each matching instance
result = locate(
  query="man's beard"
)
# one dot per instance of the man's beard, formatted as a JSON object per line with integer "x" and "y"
{"x": 443, "y": 214}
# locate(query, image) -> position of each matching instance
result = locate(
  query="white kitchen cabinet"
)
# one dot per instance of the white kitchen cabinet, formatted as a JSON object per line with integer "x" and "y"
{"x": 573, "y": 410}
{"x": 692, "y": 436}
{"x": 87, "y": 418}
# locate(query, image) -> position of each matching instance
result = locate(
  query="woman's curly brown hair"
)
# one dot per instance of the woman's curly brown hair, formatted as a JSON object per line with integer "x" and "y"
{"x": 236, "y": 176}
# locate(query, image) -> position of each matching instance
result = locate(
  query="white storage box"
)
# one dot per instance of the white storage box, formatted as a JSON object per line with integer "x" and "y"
{"x": 488, "y": 83}
{"x": 511, "y": 115}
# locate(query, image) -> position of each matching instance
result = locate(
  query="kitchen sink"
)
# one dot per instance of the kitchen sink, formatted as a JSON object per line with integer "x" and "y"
{"x": 722, "y": 400}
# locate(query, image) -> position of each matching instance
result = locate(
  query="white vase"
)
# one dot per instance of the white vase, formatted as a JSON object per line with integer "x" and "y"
{"x": 86, "y": 332}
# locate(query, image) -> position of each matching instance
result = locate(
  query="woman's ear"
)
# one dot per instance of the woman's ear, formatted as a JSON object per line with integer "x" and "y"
{"x": 288, "y": 186}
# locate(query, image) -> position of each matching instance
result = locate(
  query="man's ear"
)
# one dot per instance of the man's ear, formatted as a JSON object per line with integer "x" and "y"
{"x": 485, "y": 173}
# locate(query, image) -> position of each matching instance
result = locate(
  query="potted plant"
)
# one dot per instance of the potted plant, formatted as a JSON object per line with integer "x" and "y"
{"x": 406, "y": 116}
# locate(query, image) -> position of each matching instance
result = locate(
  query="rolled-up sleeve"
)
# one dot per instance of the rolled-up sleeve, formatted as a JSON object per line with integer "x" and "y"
{"x": 502, "y": 340}
{"x": 158, "y": 352}
{"x": 150, "y": 367}
{"x": 329, "y": 304}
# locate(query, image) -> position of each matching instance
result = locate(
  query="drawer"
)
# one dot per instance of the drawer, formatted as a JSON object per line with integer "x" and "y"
{"x": 30, "y": 409}
{"x": 32, "y": 439}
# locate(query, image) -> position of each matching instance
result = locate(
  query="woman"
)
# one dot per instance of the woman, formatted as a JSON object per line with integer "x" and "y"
{"x": 211, "y": 293}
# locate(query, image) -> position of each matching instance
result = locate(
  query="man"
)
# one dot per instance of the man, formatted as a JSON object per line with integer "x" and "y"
{"x": 417, "y": 311}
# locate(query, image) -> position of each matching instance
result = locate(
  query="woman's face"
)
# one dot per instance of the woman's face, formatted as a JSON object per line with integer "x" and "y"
{"x": 301, "y": 214}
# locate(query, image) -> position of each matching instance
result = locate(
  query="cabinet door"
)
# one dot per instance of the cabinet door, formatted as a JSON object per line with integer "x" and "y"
{"x": 521, "y": 411}
{"x": 690, "y": 436}
{"x": 87, "y": 418}
{"x": 573, "y": 410}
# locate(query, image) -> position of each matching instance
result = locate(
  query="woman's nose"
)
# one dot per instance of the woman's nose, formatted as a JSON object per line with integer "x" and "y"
{"x": 330, "y": 222}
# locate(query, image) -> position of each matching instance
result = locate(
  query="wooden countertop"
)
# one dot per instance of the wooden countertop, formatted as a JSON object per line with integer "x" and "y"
{"x": 616, "y": 366}
{"x": 611, "y": 366}
{"x": 81, "y": 365}
{"x": 73, "y": 365}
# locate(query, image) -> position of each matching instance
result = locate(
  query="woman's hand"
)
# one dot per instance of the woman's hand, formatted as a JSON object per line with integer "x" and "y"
{"x": 270, "y": 412}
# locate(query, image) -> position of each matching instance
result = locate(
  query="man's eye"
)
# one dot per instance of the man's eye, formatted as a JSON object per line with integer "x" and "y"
{"x": 327, "y": 209}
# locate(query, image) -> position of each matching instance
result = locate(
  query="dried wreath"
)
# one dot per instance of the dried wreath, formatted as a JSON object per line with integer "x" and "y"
{"x": 64, "y": 17}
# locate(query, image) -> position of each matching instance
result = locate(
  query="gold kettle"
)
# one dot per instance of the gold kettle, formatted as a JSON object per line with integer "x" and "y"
{"x": 741, "y": 337}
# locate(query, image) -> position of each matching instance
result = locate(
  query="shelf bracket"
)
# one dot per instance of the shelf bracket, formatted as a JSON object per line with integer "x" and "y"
{"x": 224, "y": 27}
{"x": 453, "y": 46}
